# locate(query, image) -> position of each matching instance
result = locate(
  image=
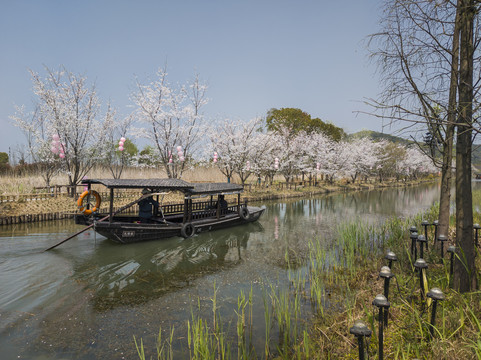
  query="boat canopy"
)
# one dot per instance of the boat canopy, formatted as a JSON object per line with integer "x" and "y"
{"x": 214, "y": 188}
{"x": 153, "y": 184}
{"x": 168, "y": 184}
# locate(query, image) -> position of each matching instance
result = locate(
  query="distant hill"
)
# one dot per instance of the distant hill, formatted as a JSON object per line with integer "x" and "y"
{"x": 374, "y": 135}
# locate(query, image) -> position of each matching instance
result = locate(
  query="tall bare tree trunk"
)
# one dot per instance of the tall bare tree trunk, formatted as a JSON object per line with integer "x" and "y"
{"x": 446, "y": 168}
{"x": 465, "y": 270}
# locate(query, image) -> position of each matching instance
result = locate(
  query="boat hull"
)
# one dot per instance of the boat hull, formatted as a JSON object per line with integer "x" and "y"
{"x": 125, "y": 233}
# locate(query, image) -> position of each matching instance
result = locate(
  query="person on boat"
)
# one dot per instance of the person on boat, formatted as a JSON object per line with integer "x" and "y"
{"x": 145, "y": 208}
{"x": 223, "y": 204}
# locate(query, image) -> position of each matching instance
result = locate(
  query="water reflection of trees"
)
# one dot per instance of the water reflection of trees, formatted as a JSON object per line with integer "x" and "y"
{"x": 290, "y": 225}
{"x": 132, "y": 274}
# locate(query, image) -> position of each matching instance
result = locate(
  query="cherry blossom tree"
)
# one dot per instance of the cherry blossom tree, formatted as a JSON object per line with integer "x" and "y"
{"x": 288, "y": 149}
{"x": 118, "y": 157}
{"x": 68, "y": 111}
{"x": 33, "y": 127}
{"x": 173, "y": 118}
{"x": 362, "y": 157}
{"x": 415, "y": 163}
{"x": 262, "y": 159}
{"x": 233, "y": 142}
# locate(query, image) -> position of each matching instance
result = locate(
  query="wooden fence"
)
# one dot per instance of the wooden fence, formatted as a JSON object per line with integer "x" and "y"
{"x": 47, "y": 196}
{"x": 30, "y": 218}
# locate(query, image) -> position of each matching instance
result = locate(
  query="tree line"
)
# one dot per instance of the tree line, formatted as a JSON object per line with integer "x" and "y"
{"x": 68, "y": 131}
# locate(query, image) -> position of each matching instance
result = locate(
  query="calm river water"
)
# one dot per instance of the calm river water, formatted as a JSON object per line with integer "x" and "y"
{"x": 88, "y": 298}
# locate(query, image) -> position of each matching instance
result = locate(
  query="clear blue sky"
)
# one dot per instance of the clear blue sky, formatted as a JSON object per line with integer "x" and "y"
{"x": 254, "y": 55}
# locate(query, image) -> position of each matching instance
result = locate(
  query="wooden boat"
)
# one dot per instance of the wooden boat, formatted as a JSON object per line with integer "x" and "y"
{"x": 185, "y": 219}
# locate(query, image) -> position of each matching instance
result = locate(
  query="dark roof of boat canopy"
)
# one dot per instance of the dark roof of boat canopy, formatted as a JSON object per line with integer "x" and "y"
{"x": 214, "y": 188}
{"x": 168, "y": 184}
{"x": 154, "y": 184}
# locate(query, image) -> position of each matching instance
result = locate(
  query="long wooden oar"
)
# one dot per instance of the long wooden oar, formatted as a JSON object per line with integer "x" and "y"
{"x": 104, "y": 218}
{"x": 74, "y": 235}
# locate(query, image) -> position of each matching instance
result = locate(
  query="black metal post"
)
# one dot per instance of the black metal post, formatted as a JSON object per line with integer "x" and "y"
{"x": 360, "y": 343}
{"x": 381, "y": 302}
{"x": 422, "y": 240}
{"x": 386, "y": 274}
{"x": 425, "y": 224}
{"x": 414, "y": 237}
{"x": 381, "y": 334}
{"x": 420, "y": 265}
{"x": 442, "y": 238}
{"x": 437, "y": 295}
{"x": 360, "y": 330}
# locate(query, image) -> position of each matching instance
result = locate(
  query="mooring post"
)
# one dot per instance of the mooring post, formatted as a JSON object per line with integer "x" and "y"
{"x": 360, "y": 331}
{"x": 381, "y": 302}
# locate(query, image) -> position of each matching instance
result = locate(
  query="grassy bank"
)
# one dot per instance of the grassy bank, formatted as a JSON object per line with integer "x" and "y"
{"x": 310, "y": 317}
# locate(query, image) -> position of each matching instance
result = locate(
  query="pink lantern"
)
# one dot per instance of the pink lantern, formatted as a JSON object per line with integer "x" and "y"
{"x": 86, "y": 186}
{"x": 276, "y": 163}
{"x": 62, "y": 155}
{"x": 121, "y": 143}
{"x": 248, "y": 165}
{"x": 181, "y": 158}
{"x": 318, "y": 166}
{"x": 122, "y": 139}
{"x": 179, "y": 148}
{"x": 121, "y": 148}
{"x": 54, "y": 149}
{"x": 55, "y": 137}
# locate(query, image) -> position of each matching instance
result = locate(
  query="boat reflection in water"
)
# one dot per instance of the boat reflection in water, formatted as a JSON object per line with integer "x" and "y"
{"x": 148, "y": 270}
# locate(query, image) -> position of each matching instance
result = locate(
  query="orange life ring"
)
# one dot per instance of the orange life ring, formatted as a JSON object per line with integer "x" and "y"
{"x": 80, "y": 200}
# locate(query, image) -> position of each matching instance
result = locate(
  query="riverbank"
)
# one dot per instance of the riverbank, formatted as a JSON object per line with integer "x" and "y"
{"x": 410, "y": 333}
{"x": 26, "y": 208}
{"x": 340, "y": 283}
